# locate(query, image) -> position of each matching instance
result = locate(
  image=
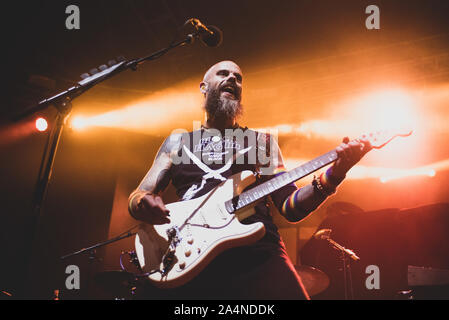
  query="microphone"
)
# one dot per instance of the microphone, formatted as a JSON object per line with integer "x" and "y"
{"x": 322, "y": 234}
{"x": 211, "y": 36}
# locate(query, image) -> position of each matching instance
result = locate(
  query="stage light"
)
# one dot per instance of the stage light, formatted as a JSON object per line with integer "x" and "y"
{"x": 408, "y": 173}
{"x": 41, "y": 124}
{"x": 389, "y": 110}
{"x": 79, "y": 123}
{"x": 159, "y": 113}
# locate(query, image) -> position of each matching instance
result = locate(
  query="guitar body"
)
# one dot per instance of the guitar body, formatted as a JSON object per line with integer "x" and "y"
{"x": 199, "y": 230}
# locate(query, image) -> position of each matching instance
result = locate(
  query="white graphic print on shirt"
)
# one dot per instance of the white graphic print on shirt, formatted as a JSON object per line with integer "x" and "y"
{"x": 209, "y": 173}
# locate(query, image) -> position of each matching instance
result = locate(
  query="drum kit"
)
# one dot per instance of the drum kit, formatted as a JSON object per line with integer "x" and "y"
{"x": 314, "y": 280}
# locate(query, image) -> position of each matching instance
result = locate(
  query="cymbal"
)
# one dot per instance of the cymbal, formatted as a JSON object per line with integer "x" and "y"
{"x": 115, "y": 281}
{"x": 315, "y": 281}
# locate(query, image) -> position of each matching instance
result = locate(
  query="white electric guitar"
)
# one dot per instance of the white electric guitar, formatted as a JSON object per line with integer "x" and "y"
{"x": 172, "y": 254}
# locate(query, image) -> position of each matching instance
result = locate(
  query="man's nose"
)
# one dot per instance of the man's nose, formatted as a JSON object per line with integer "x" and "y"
{"x": 231, "y": 78}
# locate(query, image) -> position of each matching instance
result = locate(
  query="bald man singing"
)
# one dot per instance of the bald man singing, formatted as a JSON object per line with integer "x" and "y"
{"x": 261, "y": 270}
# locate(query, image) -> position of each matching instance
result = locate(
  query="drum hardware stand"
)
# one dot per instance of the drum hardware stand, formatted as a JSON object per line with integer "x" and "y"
{"x": 133, "y": 259}
{"x": 63, "y": 103}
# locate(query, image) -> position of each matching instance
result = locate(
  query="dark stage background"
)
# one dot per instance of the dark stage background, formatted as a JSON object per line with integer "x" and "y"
{"x": 302, "y": 61}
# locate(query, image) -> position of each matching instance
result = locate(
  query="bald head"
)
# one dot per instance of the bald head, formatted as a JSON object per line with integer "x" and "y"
{"x": 222, "y": 88}
{"x": 226, "y": 65}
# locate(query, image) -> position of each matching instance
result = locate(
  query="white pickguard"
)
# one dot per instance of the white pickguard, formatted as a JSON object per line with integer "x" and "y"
{"x": 205, "y": 229}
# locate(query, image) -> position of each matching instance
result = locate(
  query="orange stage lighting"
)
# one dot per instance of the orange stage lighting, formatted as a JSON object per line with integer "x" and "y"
{"x": 159, "y": 113}
{"x": 387, "y": 110}
{"x": 79, "y": 123}
{"x": 380, "y": 110}
{"x": 382, "y": 173}
{"x": 14, "y": 132}
{"x": 408, "y": 173}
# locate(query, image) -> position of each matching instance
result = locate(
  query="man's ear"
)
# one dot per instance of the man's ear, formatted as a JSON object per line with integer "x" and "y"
{"x": 203, "y": 88}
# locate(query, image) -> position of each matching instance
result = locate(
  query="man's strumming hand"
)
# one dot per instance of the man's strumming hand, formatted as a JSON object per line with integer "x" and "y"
{"x": 150, "y": 208}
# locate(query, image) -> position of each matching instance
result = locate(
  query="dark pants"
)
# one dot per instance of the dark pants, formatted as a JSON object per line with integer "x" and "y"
{"x": 258, "y": 272}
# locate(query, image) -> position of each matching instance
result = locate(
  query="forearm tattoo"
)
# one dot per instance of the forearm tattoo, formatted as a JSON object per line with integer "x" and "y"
{"x": 158, "y": 178}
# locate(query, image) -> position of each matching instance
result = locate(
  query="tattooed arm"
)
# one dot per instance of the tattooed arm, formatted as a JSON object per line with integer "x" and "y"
{"x": 145, "y": 203}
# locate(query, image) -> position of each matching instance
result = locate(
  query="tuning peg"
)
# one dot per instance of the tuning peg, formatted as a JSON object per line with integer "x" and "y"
{"x": 103, "y": 67}
{"x": 85, "y": 76}
{"x": 112, "y": 63}
{"x": 94, "y": 71}
{"x": 121, "y": 58}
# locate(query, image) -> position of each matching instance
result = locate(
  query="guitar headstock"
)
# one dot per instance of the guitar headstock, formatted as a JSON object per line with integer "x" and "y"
{"x": 381, "y": 138}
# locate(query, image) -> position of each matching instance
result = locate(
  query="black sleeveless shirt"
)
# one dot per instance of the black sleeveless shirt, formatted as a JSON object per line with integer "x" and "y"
{"x": 206, "y": 158}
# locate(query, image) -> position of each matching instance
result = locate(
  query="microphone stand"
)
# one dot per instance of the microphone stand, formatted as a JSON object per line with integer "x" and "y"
{"x": 347, "y": 275}
{"x": 324, "y": 234}
{"x": 63, "y": 103}
{"x": 346, "y": 256}
{"x": 93, "y": 248}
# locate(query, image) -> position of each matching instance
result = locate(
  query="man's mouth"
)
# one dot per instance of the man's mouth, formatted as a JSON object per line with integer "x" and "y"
{"x": 230, "y": 91}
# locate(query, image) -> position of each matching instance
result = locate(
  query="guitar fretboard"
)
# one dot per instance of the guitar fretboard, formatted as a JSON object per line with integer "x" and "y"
{"x": 264, "y": 189}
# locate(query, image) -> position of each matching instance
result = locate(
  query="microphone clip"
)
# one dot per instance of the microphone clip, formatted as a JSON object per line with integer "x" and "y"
{"x": 324, "y": 234}
{"x": 210, "y": 35}
{"x": 199, "y": 26}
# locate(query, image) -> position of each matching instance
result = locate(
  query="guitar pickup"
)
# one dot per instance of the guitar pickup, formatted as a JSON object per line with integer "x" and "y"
{"x": 173, "y": 236}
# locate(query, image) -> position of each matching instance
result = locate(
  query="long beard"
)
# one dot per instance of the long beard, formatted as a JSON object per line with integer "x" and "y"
{"x": 220, "y": 108}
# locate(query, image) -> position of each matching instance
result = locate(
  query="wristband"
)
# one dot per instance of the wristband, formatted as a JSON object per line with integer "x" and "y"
{"x": 333, "y": 180}
{"x": 131, "y": 199}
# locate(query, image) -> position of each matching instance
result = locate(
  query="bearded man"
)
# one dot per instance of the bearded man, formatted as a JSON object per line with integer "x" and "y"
{"x": 261, "y": 270}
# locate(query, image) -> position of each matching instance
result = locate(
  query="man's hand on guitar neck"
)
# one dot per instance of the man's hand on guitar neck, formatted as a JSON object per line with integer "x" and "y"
{"x": 148, "y": 208}
{"x": 349, "y": 153}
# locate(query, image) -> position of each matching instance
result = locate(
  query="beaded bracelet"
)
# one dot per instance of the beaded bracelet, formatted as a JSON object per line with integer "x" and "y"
{"x": 323, "y": 186}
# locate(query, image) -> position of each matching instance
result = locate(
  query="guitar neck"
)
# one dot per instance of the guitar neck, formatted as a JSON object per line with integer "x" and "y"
{"x": 264, "y": 189}
{"x": 377, "y": 140}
